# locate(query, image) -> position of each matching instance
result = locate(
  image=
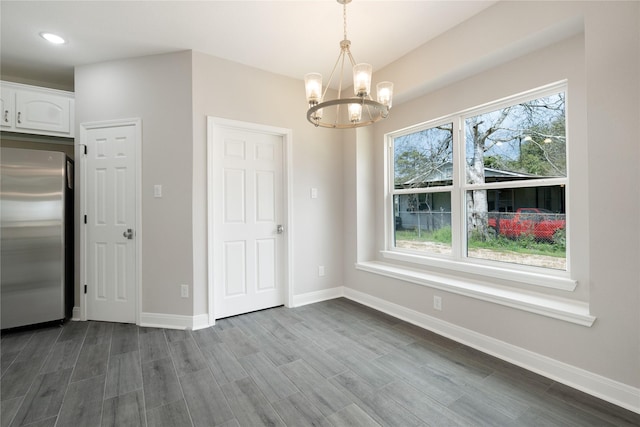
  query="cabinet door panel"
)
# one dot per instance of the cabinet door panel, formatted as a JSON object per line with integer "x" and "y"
{"x": 7, "y": 103}
{"x": 37, "y": 111}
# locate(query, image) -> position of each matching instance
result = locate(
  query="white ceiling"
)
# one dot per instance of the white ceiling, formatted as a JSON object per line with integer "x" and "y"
{"x": 285, "y": 37}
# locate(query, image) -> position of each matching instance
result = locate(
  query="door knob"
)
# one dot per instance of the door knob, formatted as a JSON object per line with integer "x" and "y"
{"x": 128, "y": 234}
{"x": 280, "y": 229}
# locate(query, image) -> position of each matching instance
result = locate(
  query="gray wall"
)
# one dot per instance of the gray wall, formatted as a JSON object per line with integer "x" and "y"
{"x": 156, "y": 89}
{"x": 509, "y": 48}
{"x": 173, "y": 94}
{"x": 233, "y": 91}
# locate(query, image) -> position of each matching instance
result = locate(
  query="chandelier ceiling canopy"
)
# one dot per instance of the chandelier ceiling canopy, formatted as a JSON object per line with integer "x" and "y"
{"x": 347, "y": 112}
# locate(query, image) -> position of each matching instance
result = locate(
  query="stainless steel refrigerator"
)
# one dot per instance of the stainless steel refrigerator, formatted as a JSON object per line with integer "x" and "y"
{"x": 36, "y": 205}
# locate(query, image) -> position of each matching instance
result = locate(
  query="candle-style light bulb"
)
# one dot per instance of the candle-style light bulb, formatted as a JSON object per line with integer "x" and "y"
{"x": 362, "y": 79}
{"x": 384, "y": 92}
{"x": 313, "y": 87}
{"x": 355, "y": 112}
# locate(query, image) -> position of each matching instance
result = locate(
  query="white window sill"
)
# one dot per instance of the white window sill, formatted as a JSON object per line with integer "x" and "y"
{"x": 546, "y": 305}
{"x": 515, "y": 273}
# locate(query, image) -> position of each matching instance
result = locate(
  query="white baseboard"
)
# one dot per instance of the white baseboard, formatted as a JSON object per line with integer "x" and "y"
{"x": 200, "y": 321}
{"x": 604, "y": 388}
{"x": 174, "y": 321}
{"x": 317, "y": 296}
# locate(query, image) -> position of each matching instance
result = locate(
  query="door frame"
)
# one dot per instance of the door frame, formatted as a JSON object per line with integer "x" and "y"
{"x": 286, "y": 134}
{"x": 82, "y": 176}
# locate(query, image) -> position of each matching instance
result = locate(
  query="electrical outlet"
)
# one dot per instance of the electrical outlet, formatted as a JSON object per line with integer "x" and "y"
{"x": 321, "y": 270}
{"x": 437, "y": 302}
{"x": 184, "y": 291}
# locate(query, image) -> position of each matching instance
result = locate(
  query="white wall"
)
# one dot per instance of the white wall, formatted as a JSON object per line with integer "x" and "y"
{"x": 511, "y": 47}
{"x": 232, "y": 91}
{"x": 156, "y": 89}
{"x": 173, "y": 94}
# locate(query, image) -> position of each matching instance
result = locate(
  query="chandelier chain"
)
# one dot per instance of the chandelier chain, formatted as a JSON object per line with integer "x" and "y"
{"x": 344, "y": 19}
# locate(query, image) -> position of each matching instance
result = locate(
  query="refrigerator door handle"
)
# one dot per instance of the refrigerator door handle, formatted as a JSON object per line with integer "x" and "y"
{"x": 128, "y": 234}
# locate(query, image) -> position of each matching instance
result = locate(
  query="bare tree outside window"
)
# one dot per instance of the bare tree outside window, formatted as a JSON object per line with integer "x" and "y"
{"x": 527, "y": 138}
{"x": 525, "y": 142}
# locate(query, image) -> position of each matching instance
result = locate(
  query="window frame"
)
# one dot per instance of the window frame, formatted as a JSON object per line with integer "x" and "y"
{"x": 458, "y": 261}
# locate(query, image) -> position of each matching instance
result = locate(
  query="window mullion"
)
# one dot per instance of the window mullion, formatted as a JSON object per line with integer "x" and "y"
{"x": 390, "y": 213}
{"x": 457, "y": 195}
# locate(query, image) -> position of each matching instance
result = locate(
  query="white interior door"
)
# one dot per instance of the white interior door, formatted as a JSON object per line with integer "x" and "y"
{"x": 246, "y": 173}
{"x": 110, "y": 201}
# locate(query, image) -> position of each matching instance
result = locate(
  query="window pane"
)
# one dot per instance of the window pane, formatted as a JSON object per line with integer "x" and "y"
{"x": 424, "y": 158}
{"x": 520, "y": 142}
{"x": 523, "y": 226}
{"x": 423, "y": 222}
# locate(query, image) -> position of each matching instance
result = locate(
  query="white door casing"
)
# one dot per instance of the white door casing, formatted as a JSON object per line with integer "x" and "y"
{"x": 248, "y": 216}
{"x": 111, "y": 235}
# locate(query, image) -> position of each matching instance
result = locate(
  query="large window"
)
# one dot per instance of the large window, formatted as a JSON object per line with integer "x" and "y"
{"x": 485, "y": 186}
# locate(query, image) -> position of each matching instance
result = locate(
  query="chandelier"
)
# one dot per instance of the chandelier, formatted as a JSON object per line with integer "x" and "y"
{"x": 342, "y": 113}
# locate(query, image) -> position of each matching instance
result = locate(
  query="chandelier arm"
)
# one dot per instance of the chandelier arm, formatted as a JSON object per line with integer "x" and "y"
{"x": 342, "y": 55}
{"x": 335, "y": 66}
{"x": 341, "y": 74}
{"x": 353, "y": 61}
{"x": 366, "y": 110}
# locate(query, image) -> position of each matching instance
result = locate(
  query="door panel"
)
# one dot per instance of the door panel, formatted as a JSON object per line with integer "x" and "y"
{"x": 248, "y": 251}
{"x": 111, "y": 211}
{"x": 235, "y": 255}
{"x": 265, "y": 193}
{"x": 265, "y": 262}
{"x": 234, "y": 196}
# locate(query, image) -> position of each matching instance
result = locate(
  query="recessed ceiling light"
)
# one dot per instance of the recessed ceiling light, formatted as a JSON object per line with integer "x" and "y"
{"x": 53, "y": 38}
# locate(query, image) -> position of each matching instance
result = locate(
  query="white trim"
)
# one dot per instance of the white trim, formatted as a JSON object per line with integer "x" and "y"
{"x": 75, "y": 313}
{"x": 174, "y": 321}
{"x": 546, "y": 305}
{"x": 317, "y": 296}
{"x": 84, "y": 127}
{"x": 81, "y": 176}
{"x": 287, "y": 170}
{"x": 200, "y": 321}
{"x": 458, "y": 259}
{"x": 596, "y": 385}
{"x": 529, "y": 275}
{"x": 287, "y": 141}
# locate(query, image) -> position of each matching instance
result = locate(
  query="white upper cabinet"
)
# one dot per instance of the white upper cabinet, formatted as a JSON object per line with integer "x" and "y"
{"x": 41, "y": 112}
{"x": 35, "y": 110}
{"x": 8, "y": 102}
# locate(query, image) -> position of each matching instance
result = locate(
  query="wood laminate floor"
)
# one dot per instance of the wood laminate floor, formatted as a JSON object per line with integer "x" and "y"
{"x": 335, "y": 363}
